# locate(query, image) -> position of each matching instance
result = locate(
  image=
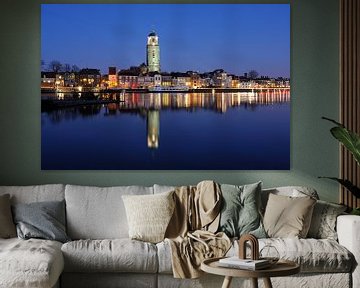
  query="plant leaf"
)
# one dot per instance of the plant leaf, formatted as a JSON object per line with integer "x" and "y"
{"x": 333, "y": 121}
{"x": 347, "y": 184}
{"x": 349, "y": 139}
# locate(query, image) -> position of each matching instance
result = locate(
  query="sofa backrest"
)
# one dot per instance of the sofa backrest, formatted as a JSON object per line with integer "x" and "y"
{"x": 36, "y": 193}
{"x": 98, "y": 212}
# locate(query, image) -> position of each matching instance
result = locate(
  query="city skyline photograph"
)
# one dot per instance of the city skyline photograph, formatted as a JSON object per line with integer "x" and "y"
{"x": 165, "y": 86}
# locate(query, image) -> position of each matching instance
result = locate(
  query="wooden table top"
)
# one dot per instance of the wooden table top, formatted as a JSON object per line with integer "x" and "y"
{"x": 281, "y": 268}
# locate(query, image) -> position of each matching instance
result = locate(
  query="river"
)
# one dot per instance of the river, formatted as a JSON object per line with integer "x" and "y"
{"x": 192, "y": 131}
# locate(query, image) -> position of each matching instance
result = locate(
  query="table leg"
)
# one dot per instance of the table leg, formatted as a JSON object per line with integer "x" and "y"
{"x": 227, "y": 282}
{"x": 254, "y": 282}
{"x": 267, "y": 283}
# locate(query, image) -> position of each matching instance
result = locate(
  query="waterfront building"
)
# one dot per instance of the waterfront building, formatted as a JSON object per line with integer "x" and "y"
{"x": 89, "y": 78}
{"x": 128, "y": 78}
{"x": 145, "y": 81}
{"x": 157, "y": 80}
{"x": 153, "y": 53}
{"x": 166, "y": 80}
{"x": 181, "y": 79}
{"x": 59, "y": 80}
{"x": 48, "y": 80}
{"x": 69, "y": 79}
{"x": 195, "y": 80}
{"x": 112, "y": 77}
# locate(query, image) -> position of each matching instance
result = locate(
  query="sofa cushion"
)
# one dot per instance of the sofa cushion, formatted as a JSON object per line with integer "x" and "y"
{"x": 313, "y": 255}
{"x": 98, "y": 213}
{"x": 7, "y": 226}
{"x": 117, "y": 255}
{"x": 36, "y": 193}
{"x": 149, "y": 215}
{"x": 30, "y": 263}
{"x": 43, "y": 220}
{"x": 287, "y": 216}
{"x": 240, "y": 210}
{"x": 323, "y": 222}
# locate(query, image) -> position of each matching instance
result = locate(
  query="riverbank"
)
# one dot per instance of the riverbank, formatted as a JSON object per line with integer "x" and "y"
{"x": 143, "y": 90}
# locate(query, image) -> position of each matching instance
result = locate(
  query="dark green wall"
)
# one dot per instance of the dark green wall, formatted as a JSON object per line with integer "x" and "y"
{"x": 314, "y": 75}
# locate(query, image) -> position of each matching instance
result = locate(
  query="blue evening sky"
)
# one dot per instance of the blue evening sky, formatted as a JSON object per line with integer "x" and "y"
{"x": 198, "y": 37}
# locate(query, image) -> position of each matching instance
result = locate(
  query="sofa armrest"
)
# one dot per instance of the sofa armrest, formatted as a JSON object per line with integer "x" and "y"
{"x": 348, "y": 230}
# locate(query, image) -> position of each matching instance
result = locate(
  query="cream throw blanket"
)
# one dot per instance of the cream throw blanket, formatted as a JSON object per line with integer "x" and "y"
{"x": 191, "y": 231}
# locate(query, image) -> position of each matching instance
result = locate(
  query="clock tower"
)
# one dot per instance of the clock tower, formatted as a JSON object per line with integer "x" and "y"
{"x": 153, "y": 52}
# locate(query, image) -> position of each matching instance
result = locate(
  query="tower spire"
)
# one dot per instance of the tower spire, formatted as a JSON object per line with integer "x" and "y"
{"x": 153, "y": 52}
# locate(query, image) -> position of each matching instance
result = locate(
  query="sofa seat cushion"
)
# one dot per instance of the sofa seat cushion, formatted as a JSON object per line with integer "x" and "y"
{"x": 313, "y": 255}
{"x": 115, "y": 255}
{"x": 30, "y": 263}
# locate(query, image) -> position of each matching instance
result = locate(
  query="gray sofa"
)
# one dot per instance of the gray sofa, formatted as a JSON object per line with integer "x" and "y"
{"x": 101, "y": 255}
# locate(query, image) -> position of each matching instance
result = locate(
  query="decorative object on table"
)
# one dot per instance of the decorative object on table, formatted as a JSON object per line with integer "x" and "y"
{"x": 351, "y": 142}
{"x": 241, "y": 261}
{"x": 254, "y": 246}
{"x": 270, "y": 253}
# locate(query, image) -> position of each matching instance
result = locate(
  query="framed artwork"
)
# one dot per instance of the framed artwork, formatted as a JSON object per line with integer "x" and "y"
{"x": 165, "y": 86}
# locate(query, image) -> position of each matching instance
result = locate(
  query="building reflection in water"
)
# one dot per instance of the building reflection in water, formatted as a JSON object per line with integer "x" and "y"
{"x": 219, "y": 102}
{"x": 153, "y": 128}
{"x": 149, "y": 105}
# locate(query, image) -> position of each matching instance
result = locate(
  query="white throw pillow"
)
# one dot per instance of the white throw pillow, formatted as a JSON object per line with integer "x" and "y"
{"x": 149, "y": 215}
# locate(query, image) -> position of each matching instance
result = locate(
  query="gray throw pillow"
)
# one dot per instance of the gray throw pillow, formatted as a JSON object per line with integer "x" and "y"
{"x": 323, "y": 222}
{"x": 44, "y": 220}
{"x": 240, "y": 213}
{"x": 7, "y": 227}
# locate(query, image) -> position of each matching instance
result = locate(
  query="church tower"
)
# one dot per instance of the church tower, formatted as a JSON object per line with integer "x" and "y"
{"x": 153, "y": 53}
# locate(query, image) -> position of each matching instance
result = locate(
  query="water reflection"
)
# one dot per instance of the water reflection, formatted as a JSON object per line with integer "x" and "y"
{"x": 148, "y": 106}
{"x": 153, "y": 128}
{"x": 219, "y": 102}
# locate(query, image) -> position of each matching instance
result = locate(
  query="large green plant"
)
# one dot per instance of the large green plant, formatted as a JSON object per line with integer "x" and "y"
{"x": 351, "y": 141}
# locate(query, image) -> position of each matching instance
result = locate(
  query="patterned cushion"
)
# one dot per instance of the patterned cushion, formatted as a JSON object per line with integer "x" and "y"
{"x": 323, "y": 223}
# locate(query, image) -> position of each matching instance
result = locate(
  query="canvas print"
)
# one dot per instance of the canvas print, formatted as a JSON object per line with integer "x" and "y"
{"x": 165, "y": 86}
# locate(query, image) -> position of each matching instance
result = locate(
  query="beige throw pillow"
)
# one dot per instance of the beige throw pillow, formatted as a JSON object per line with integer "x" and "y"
{"x": 7, "y": 226}
{"x": 149, "y": 215}
{"x": 288, "y": 217}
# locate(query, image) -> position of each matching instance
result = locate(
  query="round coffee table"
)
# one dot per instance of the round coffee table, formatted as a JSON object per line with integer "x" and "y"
{"x": 281, "y": 268}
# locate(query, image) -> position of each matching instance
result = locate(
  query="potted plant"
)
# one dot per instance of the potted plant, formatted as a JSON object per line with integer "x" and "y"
{"x": 351, "y": 141}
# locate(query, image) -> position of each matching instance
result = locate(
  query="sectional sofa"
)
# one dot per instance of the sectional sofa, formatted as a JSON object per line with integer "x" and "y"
{"x": 101, "y": 254}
